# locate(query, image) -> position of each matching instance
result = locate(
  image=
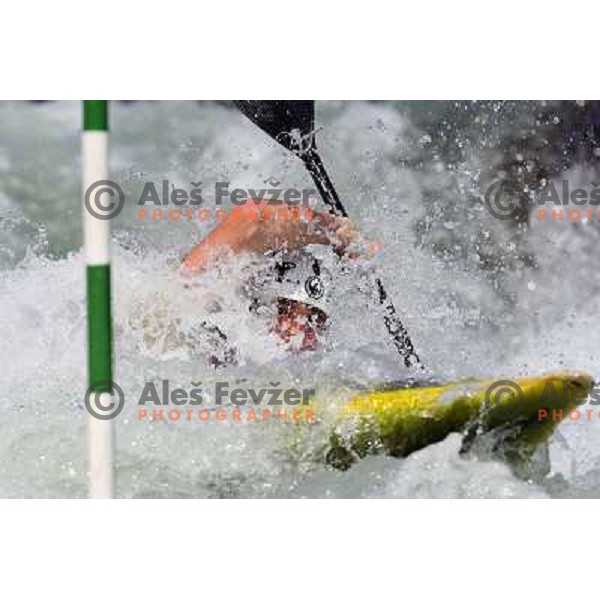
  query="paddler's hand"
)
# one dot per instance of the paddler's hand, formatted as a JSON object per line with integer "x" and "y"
{"x": 255, "y": 228}
{"x": 346, "y": 239}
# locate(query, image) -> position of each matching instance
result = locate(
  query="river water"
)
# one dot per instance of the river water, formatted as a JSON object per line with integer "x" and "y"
{"x": 480, "y": 296}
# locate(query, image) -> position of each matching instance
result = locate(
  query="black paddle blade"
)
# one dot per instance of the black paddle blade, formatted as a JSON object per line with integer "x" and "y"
{"x": 289, "y": 122}
{"x": 292, "y": 123}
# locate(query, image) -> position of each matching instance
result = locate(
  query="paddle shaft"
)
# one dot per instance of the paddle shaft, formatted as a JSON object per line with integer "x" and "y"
{"x": 317, "y": 171}
{"x": 393, "y": 324}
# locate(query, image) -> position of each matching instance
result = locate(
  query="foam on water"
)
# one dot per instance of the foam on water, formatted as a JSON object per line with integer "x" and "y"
{"x": 465, "y": 321}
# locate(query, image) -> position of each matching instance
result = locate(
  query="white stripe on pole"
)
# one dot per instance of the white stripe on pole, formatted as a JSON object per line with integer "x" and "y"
{"x": 100, "y": 455}
{"x": 96, "y": 231}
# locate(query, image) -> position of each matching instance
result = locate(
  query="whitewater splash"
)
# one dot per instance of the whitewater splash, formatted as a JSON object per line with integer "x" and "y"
{"x": 524, "y": 317}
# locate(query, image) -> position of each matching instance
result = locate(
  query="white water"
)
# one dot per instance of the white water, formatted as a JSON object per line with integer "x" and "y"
{"x": 464, "y": 321}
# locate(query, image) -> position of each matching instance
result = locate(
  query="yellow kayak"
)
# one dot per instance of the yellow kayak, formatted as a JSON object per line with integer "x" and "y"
{"x": 520, "y": 413}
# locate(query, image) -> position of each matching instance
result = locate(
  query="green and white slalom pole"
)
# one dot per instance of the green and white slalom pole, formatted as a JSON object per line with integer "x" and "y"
{"x": 96, "y": 235}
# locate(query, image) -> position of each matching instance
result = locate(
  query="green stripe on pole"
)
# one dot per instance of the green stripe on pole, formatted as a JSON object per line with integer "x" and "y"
{"x": 99, "y": 327}
{"x": 95, "y": 115}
